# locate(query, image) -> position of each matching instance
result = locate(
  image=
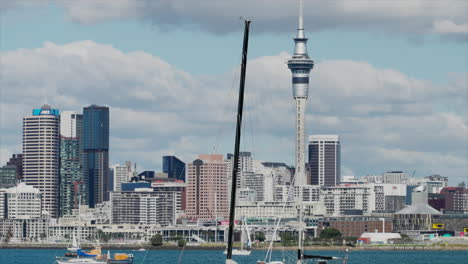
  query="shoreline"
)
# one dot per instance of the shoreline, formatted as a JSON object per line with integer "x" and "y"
{"x": 222, "y": 247}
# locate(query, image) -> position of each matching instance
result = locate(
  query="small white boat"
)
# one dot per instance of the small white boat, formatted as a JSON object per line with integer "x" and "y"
{"x": 79, "y": 261}
{"x": 239, "y": 252}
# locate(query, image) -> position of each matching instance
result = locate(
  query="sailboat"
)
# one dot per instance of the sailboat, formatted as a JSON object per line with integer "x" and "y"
{"x": 245, "y": 240}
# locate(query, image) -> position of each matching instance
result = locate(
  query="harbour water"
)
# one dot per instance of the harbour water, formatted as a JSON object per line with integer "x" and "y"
{"x": 47, "y": 256}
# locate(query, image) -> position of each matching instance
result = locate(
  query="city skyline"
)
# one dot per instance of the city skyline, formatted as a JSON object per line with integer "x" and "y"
{"x": 418, "y": 121}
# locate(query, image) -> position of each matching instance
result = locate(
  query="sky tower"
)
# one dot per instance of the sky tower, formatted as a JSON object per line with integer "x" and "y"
{"x": 300, "y": 65}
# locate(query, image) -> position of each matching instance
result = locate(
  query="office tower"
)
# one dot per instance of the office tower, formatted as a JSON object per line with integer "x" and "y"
{"x": 121, "y": 174}
{"x": 245, "y": 166}
{"x": 324, "y": 160}
{"x": 207, "y": 194}
{"x": 174, "y": 167}
{"x": 41, "y": 148}
{"x": 96, "y": 152}
{"x": 23, "y": 202}
{"x": 300, "y": 65}
{"x": 17, "y": 161}
{"x": 395, "y": 177}
{"x": 72, "y": 186}
{"x": 7, "y": 176}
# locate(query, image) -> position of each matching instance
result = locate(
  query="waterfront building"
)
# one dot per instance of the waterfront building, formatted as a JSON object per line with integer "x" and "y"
{"x": 144, "y": 206}
{"x": 17, "y": 161}
{"x": 354, "y": 226}
{"x": 23, "y": 202}
{"x": 72, "y": 186}
{"x": 207, "y": 188}
{"x": 395, "y": 177}
{"x": 278, "y": 210}
{"x": 324, "y": 160}
{"x": 245, "y": 166}
{"x": 339, "y": 199}
{"x": 418, "y": 216}
{"x": 24, "y": 230}
{"x": 174, "y": 167}
{"x": 41, "y": 155}
{"x": 96, "y": 153}
{"x": 7, "y": 176}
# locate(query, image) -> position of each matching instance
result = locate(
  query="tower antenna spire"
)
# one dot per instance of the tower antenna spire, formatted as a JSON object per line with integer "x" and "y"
{"x": 301, "y": 15}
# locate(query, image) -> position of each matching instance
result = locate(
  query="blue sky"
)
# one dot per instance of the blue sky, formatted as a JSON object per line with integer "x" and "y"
{"x": 390, "y": 77}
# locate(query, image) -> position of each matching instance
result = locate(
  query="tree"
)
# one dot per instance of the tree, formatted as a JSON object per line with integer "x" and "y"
{"x": 330, "y": 233}
{"x": 260, "y": 237}
{"x": 156, "y": 240}
{"x": 289, "y": 239}
{"x": 462, "y": 184}
{"x": 181, "y": 242}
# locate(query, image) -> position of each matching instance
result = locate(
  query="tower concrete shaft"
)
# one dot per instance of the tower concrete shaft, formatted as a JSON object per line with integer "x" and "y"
{"x": 300, "y": 65}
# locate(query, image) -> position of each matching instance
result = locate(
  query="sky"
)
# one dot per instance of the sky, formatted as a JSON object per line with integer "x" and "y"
{"x": 390, "y": 77}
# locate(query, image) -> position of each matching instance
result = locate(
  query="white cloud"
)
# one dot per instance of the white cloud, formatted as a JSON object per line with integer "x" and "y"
{"x": 448, "y": 27}
{"x": 222, "y": 16}
{"x": 386, "y": 119}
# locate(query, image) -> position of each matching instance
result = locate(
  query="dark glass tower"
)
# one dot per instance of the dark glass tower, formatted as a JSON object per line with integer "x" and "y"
{"x": 174, "y": 167}
{"x": 324, "y": 160}
{"x": 96, "y": 153}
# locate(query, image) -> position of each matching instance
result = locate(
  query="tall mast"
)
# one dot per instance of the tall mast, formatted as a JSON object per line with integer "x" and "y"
{"x": 235, "y": 167}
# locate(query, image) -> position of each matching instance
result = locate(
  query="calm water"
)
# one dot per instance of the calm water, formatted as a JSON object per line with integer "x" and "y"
{"x": 47, "y": 256}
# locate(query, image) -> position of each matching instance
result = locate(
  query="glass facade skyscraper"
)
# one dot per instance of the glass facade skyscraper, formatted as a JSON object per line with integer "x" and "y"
{"x": 174, "y": 167}
{"x": 96, "y": 153}
{"x": 72, "y": 187}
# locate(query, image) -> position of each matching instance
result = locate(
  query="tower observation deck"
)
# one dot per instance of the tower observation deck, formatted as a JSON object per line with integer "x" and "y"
{"x": 300, "y": 65}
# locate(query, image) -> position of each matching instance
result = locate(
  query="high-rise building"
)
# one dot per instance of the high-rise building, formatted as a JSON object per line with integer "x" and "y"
{"x": 300, "y": 65}
{"x": 245, "y": 167}
{"x": 17, "y": 161}
{"x": 72, "y": 186}
{"x": 174, "y": 167}
{"x": 207, "y": 194}
{"x": 121, "y": 174}
{"x": 324, "y": 160}
{"x": 96, "y": 153}
{"x": 41, "y": 148}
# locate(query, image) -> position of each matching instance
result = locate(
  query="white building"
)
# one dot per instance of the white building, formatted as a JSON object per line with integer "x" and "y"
{"x": 23, "y": 202}
{"x": 2, "y": 203}
{"x": 122, "y": 174}
{"x": 339, "y": 199}
{"x": 279, "y": 209}
{"x": 372, "y": 179}
{"x": 41, "y": 141}
{"x": 395, "y": 177}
